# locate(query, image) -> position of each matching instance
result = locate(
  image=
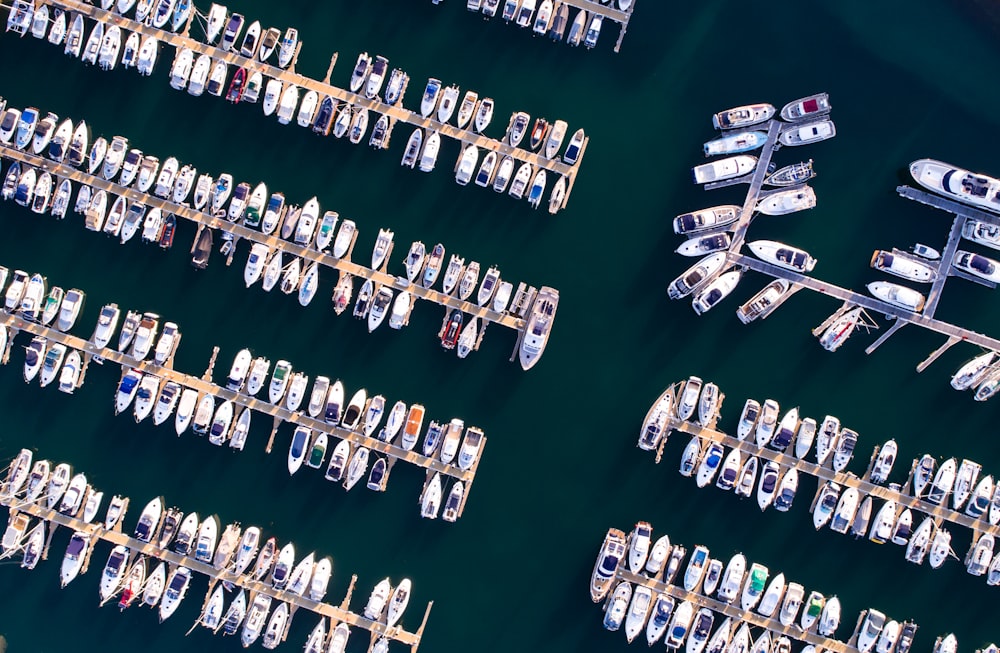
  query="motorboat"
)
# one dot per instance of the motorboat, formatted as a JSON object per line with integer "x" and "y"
{"x": 808, "y": 133}
{"x": 705, "y": 244}
{"x": 976, "y": 189}
{"x": 736, "y": 143}
{"x": 977, "y": 265}
{"x": 617, "y": 608}
{"x": 721, "y": 169}
{"x": 772, "y": 596}
{"x": 748, "y": 418}
{"x": 897, "y": 295}
{"x": 732, "y": 578}
{"x": 787, "y": 488}
{"x": 979, "y": 503}
{"x": 788, "y": 201}
{"x": 825, "y": 504}
{"x": 806, "y": 108}
{"x": 903, "y": 265}
{"x": 844, "y": 450}
{"x": 743, "y": 116}
{"x": 884, "y": 461}
{"x": 712, "y": 218}
{"x": 76, "y": 552}
{"x": 753, "y": 588}
{"x": 765, "y": 301}
{"x": 829, "y": 620}
{"x": 791, "y": 175}
{"x": 694, "y": 277}
{"x": 785, "y": 431}
{"x": 768, "y": 484}
{"x": 844, "y": 513}
{"x": 781, "y": 255}
{"x": 715, "y": 291}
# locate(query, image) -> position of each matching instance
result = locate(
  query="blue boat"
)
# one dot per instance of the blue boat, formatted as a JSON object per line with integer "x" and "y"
{"x": 735, "y": 143}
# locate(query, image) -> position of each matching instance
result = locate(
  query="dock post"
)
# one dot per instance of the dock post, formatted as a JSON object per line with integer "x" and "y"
{"x": 350, "y": 590}
{"x": 329, "y": 70}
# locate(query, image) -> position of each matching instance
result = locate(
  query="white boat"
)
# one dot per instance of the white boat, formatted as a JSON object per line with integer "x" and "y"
{"x": 732, "y": 578}
{"x": 653, "y": 425}
{"x": 709, "y": 464}
{"x": 897, "y": 295}
{"x": 413, "y": 147}
{"x": 825, "y": 504}
{"x": 940, "y": 548}
{"x": 843, "y": 514}
{"x": 705, "y": 244}
{"x": 754, "y": 587}
{"x": 721, "y": 169}
{"x": 467, "y": 164}
{"x": 298, "y": 448}
{"x": 735, "y": 143}
{"x": 768, "y": 484}
{"x": 806, "y": 107}
{"x": 973, "y": 371}
{"x": 708, "y": 405}
{"x": 617, "y": 608}
{"x": 430, "y": 498}
{"x": 76, "y": 552}
{"x": 772, "y": 596}
{"x": 903, "y": 265}
{"x": 638, "y": 611}
{"x": 256, "y": 619}
{"x": 447, "y": 103}
{"x": 484, "y": 114}
{"x": 788, "y": 201}
{"x": 808, "y": 133}
{"x": 715, "y": 291}
{"x": 743, "y": 116}
{"x": 976, "y": 189}
{"x": 829, "y": 620}
{"x": 711, "y": 218}
{"x": 429, "y": 153}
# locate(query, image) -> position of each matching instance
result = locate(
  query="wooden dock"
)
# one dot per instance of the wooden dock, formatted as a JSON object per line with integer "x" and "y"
{"x": 273, "y": 242}
{"x": 793, "y": 631}
{"x": 278, "y": 413}
{"x": 396, "y": 113}
{"x": 844, "y": 479}
{"x": 608, "y": 12}
{"x": 756, "y": 182}
{"x": 116, "y": 537}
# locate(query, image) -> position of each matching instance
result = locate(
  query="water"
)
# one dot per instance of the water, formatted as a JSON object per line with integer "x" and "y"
{"x": 560, "y": 467}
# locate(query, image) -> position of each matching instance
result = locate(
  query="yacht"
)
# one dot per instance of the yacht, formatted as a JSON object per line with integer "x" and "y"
{"x": 338, "y": 461}
{"x": 768, "y": 485}
{"x": 732, "y": 578}
{"x": 694, "y": 277}
{"x": 743, "y": 116}
{"x": 618, "y": 606}
{"x": 806, "y": 108}
{"x": 715, "y": 291}
{"x": 904, "y": 265}
{"x": 788, "y": 201}
{"x": 705, "y": 244}
{"x": 429, "y": 153}
{"x": 653, "y": 425}
{"x": 968, "y": 187}
{"x": 973, "y": 371}
{"x": 897, "y": 295}
{"x": 73, "y": 559}
{"x": 279, "y": 381}
{"x": 484, "y": 114}
{"x": 825, "y": 504}
{"x": 735, "y": 143}
{"x": 428, "y": 102}
{"x": 883, "y": 462}
{"x": 255, "y": 619}
{"x": 727, "y": 168}
{"x": 830, "y": 618}
{"x": 977, "y": 265}
{"x": 712, "y": 218}
{"x": 430, "y": 498}
{"x": 940, "y": 548}
{"x": 844, "y": 450}
{"x": 538, "y": 326}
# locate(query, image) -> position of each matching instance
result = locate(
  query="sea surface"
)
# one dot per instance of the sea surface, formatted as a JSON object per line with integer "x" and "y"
{"x": 906, "y": 80}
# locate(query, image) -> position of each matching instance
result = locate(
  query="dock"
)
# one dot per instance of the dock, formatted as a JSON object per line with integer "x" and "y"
{"x": 509, "y": 319}
{"x": 752, "y": 618}
{"x": 397, "y": 113}
{"x": 117, "y": 537}
{"x": 279, "y": 413}
{"x": 845, "y": 479}
{"x": 593, "y": 8}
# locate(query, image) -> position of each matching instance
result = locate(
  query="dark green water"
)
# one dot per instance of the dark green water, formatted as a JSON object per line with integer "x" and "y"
{"x": 907, "y": 80}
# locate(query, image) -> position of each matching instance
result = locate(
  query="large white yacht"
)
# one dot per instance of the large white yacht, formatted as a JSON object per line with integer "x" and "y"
{"x": 538, "y": 327}
{"x": 782, "y": 255}
{"x": 972, "y": 188}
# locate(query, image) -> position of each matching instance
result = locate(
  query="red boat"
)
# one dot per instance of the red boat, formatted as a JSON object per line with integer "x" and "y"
{"x": 538, "y": 133}
{"x": 237, "y": 86}
{"x": 167, "y": 233}
{"x": 125, "y": 599}
{"x": 452, "y": 329}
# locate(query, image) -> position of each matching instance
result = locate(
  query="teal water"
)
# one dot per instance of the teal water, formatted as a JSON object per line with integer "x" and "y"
{"x": 906, "y": 80}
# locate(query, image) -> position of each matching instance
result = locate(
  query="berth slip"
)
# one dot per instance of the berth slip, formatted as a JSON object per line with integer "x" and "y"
{"x": 290, "y": 244}
{"x": 718, "y": 234}
{"x": 351, "y": 437}
{"x": 238, "y": 65}
{"x": 775, "y": 448}
{"x": 711, "y": 604}
{"x": 170, "y": 549}
{"x": 554, "y": 18}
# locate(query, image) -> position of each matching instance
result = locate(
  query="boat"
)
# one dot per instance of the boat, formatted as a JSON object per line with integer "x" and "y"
{"x": 743, "y": 116}
{"x": 447, "y": 103}
{"x": 652, "y": 431}
{"x": 593, "y": 31}
{"x": 724, "y": 169}
{"x": 782, "y": 255}
{"x": 694, "y": 277}
{"x": 844, "y": 449}
{"x": 484, "y": 115}
{"x": 289, "y": 99}
{"x": 843, "y": 514}
{"x": 467, "y": 164}
{"x": 114, "y": 572}
{"x": 715, "y": 291}
{"x": 808, "y": 133}
{"x": 973, "y": 371}
{"x": 708, "y": 406}
{"x": 904, "y": 265}
{"x": 705, "y": 244}
{"x": 825, "y": 504}
{"x": 768, "y": 485}
{"x": 430, "y": 498}
{"x": 732, "y": 578}
{"x": 428, "y": 102}
{"x": 429, "y": 153}
{"x": 766, "y": 300}
{"x": 791, "y": 175}
{"x": 617, "y": 608}
{"x": 538, "y": 327}
{"x": 940, "y": 548}
{"x": 33, "y": 545}
{"x": 518, "y": 128}
{"x": 76, "y": 552}
{"x": 638, "y": 611}
{"x": 754, "y": 587}
{"x": 972, "y": 188}
{"x": 805, "y": 108}
{"x": 897, "y": 295}
{"x": 980, "y": 501}
{"x": 185, "y": 410}
{"x": 829, "y": 620}
{"x": 712, "y": 218}
{"x": 783, "y": 202}
{"x": 735, "y": 143}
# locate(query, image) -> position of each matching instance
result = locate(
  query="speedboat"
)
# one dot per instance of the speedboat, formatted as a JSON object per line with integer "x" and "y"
{"x": 517, "y": 128}
{"x": 73, "y": 559}
{"x": 338, "y": 461}
{"x": 843, "y": 515}
{"x": 638, "y": 611}
{"x": 705, "y": 244}
{"x": 428, "y": 102}
{"x": 785, "y": 431}
{"x": 639, "y": 543}
{"x": 484, "y": 114}
{"x": 298, "y": 448}
{"x": 772, "y": 596}
{"x": 829, "y": 620}
{"x": 825, "y": 504}
{"x": 720, "y": 169}
{"x": 748, "y": 418}
{"x": 729, "y": 474}
{"x": 753, "y": 589}
{"x": 782, "y": 255}
{"x": 844, "y": 450}
{"x": 689, "y": 397}
{"x": 430, "y": 498}
{"x": 538, "y": 326}
{"x": 447, "y": 103}
{"x": 768, "y": 485}
{"x": 743, "y": 116}
{"x": 732, "y": 578}
{"x": 710, "y": 464}
{"x": 883, "y": 462}
{"x": 977, "y": 265}
{"x": 979, "y": 504}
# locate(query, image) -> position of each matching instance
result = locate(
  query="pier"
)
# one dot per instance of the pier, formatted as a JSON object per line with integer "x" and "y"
{"x": 274, "y": 242}
{"x": 607, "y": 12}
{"x": 793, "y": 631}
{"x": 278, "y": 412}
{"x": 396, "y": 112}
{"x": 115, "y": 537}
{"x": 823, "y": 473}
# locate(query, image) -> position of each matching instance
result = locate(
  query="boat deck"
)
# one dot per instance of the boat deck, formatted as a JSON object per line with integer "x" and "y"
{"x": 116, "y": 537}
{"x": 273, "y": 242}
{"x": 592, "y": 7}
{"x": 395, "y": 112}
{"x": 280, "y": 414}
{"x": 822, "y": 474}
